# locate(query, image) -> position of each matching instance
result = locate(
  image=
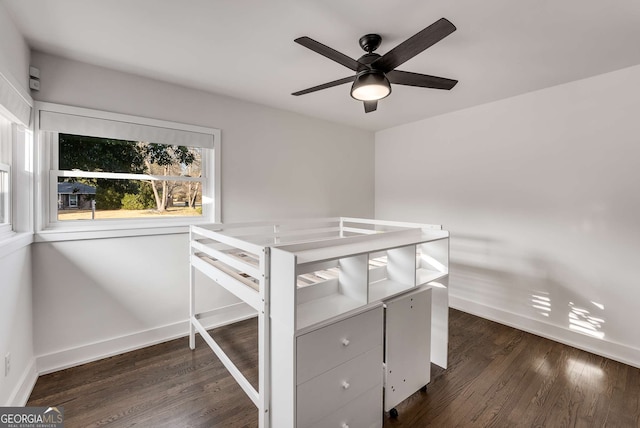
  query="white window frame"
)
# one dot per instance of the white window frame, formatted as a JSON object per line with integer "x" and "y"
{"x": 6, "y": 193}
{"x": 50, "y": 228}
{"x": 6, "y": 150}
{"x": 16, "y": 149}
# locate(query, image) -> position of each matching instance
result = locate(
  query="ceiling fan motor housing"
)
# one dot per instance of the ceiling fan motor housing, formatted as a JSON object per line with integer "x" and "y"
{"x": 365, "y": 60}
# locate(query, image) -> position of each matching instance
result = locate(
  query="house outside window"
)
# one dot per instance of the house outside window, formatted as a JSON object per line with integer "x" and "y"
{"x": 75, "y": 195}
{"x": 117, "y": 170}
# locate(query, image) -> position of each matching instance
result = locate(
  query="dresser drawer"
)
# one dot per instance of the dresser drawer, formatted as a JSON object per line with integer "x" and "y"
{"x": 330, "y": 391}
{"x": 363, "y": 412}
{"x": 330, "y": 346}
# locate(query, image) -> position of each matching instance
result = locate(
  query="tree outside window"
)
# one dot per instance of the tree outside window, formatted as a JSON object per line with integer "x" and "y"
{"x": 129, "y": 178}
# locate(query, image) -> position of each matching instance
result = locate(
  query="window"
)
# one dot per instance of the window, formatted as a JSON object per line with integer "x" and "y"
{"x": 16, "y": 167}
{"x": 108, "y": 170}
{"x": 102, "y": 178}
{"x": 5, "y": 188}
{"x": 5, "y": 175}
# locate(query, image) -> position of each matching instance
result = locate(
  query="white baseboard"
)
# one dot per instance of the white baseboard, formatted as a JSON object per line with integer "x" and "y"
{"x": 615, "y": 351}
{"x": 22, "y": 391}
{"x": 107, "y": 348}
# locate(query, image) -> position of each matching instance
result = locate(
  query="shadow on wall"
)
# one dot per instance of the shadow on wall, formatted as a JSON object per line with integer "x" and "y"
{"x": 72, "y": 305}
{"x": 495, "y": 274}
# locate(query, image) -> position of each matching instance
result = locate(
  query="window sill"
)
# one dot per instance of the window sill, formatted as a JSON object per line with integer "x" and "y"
{"x": 13, "y": 242}
{"x": 108, "y": 231}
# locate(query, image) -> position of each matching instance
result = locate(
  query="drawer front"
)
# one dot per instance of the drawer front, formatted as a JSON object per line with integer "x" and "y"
{"x": 328, "y": 392}
{"x": 363, "y": 412}
{"x": 330, "y": 346}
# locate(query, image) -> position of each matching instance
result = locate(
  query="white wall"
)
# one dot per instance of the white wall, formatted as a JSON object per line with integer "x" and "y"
{"x": 97, "y": 297}
{"x": 14, "y": 53}
{"x": 541, "y": 193}
{"x": 16, "y": 332}
{"x": 16, "y": 327}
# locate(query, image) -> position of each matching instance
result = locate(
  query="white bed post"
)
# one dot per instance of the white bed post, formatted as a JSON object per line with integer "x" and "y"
{"x": 192, "y": 296}
{"x": 264, "y": 338}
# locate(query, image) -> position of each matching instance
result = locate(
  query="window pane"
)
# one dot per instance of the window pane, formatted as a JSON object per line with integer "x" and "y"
{"x": 98, "y": 154}
{"x": 4, "y": 197}
{"x": 86, "y": 199}
{"x": 5, "y": 162}
{"x": 93, "y": 154}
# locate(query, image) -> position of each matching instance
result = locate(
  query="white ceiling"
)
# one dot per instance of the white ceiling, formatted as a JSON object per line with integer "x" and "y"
{"x": 245, "y": 48}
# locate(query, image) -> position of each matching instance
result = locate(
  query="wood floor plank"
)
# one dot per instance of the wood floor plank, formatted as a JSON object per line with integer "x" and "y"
{"x": 504, "y": 384}
{"x": 534, "y": 399}
{"x": 589, "y": 389}
{"x": 496, "y": 377}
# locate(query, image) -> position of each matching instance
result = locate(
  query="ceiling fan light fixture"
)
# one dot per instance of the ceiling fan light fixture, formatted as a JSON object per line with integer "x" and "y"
{"x": 370, "y": 85}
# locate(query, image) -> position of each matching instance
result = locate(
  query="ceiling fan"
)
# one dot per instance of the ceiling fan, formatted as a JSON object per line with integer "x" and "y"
{"x": 375, "y": 73}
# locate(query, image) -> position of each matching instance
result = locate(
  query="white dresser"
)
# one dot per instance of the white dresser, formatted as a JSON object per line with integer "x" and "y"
{"x": 331, "y": 365}
{"x": 339, "y": 376}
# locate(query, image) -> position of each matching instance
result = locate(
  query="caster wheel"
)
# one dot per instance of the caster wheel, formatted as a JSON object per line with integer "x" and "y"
{"x": 393, "y": 413}
{"x": 423, "y": 389}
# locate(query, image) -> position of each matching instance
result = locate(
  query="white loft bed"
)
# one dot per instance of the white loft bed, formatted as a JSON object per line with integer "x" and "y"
{"x": 323, "y": 274}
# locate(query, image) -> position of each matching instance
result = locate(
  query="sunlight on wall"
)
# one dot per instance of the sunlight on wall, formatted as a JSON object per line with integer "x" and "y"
{"x": 582, "y": 321}
{"x": 542, "y": 302}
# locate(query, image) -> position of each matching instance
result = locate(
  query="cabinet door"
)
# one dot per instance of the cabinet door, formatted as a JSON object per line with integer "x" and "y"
{"x": 407, "y": 346}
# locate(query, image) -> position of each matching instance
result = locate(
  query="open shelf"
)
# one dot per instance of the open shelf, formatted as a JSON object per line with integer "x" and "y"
{"x": 391, "y": 272}
{"x": 318, "y": 310}
{"x": 330, "y": 289}
{"x": 424, "y": 276}
{"x": 386, "y": 288}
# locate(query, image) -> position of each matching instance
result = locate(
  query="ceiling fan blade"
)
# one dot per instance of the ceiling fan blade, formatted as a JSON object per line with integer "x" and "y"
{"x": 422, "y": 80}
{"x": 325, "y": 85}
{"x": 330, "y": 53}
{"x": 370, "y": 106}
{"x": 414, "y": 45}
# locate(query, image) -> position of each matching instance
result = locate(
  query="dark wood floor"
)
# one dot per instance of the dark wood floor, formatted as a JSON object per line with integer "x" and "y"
{"x": 497, "y": 377}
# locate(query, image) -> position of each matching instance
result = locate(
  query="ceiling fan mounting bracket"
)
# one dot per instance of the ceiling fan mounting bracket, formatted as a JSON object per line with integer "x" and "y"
{"x": 370, "y": 42}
